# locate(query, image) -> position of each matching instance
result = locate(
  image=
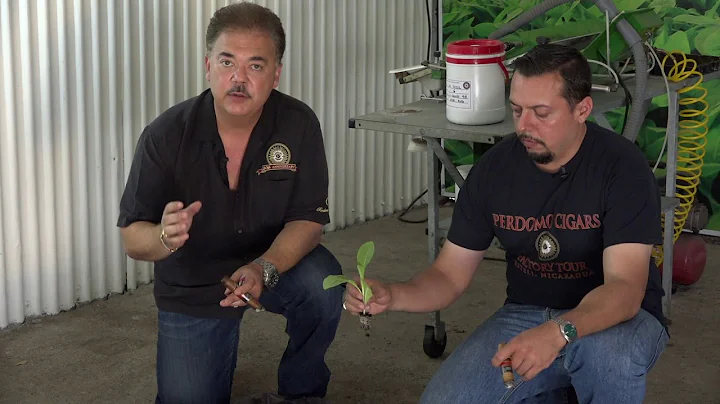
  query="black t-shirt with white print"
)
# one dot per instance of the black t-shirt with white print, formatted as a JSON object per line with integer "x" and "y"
{"x": 555, "y": 227}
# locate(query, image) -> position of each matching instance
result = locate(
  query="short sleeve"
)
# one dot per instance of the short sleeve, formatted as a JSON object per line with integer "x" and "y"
{"x": 146, "y": 190}
{"x": 632, "y": 211}
{"x": 472, "y": 227}
{"x": 309, "y": 200}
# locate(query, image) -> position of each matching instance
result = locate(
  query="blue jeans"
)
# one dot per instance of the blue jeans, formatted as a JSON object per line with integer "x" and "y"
{"x": 196, "y": 357}
{"x": 607, "y": 367}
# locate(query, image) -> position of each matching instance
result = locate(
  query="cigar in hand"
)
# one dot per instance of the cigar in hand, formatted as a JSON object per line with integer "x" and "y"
{"x": 247, "y": 298}
{"x": 507, "y": 371}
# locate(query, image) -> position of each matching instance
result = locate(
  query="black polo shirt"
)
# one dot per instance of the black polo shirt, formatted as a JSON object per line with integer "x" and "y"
{"x": 180, "y": 157}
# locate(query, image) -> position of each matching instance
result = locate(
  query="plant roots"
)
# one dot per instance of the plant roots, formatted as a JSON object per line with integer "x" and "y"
{"x": 365, "y": 323}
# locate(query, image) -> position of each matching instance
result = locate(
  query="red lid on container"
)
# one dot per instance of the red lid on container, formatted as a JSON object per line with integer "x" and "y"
{"x": 476, "y": 47}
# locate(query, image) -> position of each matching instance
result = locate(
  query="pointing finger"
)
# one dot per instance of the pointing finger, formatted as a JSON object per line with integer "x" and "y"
{"x": 193, "y": 209}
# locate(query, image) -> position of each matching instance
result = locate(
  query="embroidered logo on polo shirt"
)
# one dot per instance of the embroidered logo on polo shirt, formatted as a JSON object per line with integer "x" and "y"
{"x": 547, "y": 246}
{"x": 278, "y": 157}
{"x": 326, "y": 208}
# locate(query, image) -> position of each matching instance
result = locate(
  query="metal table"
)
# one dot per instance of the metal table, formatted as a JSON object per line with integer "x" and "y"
{"x": 426, "y": 118}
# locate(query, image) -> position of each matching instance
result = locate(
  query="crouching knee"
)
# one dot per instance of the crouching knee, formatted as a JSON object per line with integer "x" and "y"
{"x": 303, "y": 285}
{"x": 620, "y": 354}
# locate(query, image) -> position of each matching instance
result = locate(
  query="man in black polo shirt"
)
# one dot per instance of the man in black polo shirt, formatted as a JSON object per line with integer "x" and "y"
{"x": 577, "y": 209}
{"x": 234, "y": 182}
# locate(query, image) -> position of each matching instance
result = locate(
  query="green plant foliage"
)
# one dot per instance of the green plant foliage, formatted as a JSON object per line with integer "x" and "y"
{"x": 364, "y": 256}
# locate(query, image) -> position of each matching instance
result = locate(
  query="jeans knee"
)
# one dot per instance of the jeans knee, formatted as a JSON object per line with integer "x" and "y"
{"x": 304, "y": 284}
{"x": 627, "y": 350}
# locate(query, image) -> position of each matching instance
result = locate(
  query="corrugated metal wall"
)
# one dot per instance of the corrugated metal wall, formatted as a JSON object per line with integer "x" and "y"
{"x": 80, "y": 78}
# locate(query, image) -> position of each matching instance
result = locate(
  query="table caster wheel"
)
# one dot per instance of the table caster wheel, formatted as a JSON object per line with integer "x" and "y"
{"x": 433, "y": 347}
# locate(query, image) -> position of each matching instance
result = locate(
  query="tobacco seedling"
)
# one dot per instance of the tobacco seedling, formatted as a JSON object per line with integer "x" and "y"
{"x": 364, "y": 256}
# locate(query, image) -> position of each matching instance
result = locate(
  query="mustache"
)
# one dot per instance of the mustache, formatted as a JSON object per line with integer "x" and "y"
{"x": 240, "y": 88}
{"x": 522, "y": 136}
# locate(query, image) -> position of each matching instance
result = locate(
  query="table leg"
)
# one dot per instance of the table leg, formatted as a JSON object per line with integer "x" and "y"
{"x": 435, "y": 339}
{"x": 439, "y": 152}
{"x": 671, "y": 173}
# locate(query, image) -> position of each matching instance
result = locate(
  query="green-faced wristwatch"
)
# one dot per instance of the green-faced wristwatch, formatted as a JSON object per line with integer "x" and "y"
{"x": 567, "y": 329}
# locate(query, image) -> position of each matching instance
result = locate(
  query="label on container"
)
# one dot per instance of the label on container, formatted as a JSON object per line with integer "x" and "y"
{"x": 458, "y": 94}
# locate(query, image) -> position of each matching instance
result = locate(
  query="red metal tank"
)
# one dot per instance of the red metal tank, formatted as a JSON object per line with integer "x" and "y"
{"x": 689, "y": 259}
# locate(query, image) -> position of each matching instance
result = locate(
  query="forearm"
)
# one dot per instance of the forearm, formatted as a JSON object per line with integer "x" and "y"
{"x": 605, "y": 306}
{"x": 295, "y": 241}
{"x": 428, "y": 291}
{"x": 142, "y": 242}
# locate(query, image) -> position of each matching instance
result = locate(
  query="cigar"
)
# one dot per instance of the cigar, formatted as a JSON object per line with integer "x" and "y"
{"x": 247, "y": 298}
{"x": 507, "y": 372}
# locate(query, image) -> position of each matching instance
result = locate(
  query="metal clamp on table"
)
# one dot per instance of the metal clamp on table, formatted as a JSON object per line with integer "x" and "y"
{"x": 426, "y": 119}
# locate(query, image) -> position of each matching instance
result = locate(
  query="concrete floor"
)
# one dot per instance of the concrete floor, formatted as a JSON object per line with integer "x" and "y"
{"x": 104, "y": 352}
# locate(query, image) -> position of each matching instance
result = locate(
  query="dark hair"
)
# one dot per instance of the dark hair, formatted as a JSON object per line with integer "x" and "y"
{"x": 246, "y": 16}
{"x": 572, "y": 66}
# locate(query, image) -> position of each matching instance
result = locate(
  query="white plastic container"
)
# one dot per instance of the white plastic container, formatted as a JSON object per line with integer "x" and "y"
{"x": 475, "y": 82}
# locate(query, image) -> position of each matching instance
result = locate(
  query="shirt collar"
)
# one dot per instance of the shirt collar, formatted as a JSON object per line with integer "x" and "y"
{"x": 206, "y": 129}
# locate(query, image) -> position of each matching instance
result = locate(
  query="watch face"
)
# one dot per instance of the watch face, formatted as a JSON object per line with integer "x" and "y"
{"x": 570, "y": 331}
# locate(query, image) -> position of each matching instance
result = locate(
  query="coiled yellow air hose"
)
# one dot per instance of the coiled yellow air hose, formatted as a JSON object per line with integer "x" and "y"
{"x": 692, "y": 138}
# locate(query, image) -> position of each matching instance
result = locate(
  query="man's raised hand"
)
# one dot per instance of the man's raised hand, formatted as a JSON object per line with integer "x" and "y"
{"x": 176, "y": 222}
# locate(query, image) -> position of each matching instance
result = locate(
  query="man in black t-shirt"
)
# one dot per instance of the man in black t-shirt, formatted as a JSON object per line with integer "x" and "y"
{"x": 577, "y": 209}
{"x": 234, "y": 182}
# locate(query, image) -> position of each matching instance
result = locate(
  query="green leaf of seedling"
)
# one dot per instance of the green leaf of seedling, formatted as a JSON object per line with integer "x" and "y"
{"x": 364, "y": 256}
{"x": 366, "y": 291}
{"x": 334, "y": 280}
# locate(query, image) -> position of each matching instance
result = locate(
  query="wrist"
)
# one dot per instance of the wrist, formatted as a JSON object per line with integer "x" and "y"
{"x": 268, "y": 272}
{"x": 560, "y": 340}
{"x": 257, "y": 269}
{"x": 161, "y": 237}
{"x": 566, "y": 330}
{"x": 391, "y": 291}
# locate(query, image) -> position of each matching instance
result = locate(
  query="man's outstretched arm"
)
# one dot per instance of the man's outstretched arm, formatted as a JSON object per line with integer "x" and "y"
{"x": 441, "y": 284}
